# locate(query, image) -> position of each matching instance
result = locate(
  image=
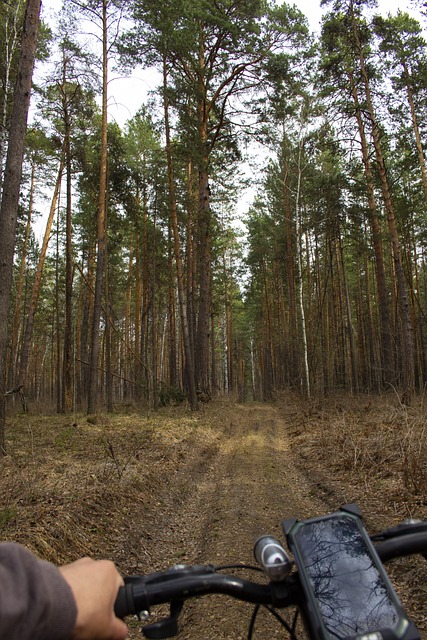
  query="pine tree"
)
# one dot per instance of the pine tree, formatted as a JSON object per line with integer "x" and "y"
{"x": 10, "y": 195}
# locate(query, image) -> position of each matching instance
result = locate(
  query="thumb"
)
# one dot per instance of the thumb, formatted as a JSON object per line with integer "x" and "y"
{"x": 119, "y": 629}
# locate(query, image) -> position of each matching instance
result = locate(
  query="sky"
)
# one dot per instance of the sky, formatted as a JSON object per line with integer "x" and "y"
{"x": 127, "y": 102}
{"x": 128, "y": 94}
{"x": 313, "y": 11}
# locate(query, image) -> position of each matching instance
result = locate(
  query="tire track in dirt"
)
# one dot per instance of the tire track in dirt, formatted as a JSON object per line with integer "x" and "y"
{"x": 223, "y": 499}
{"x": 257, "y": 487}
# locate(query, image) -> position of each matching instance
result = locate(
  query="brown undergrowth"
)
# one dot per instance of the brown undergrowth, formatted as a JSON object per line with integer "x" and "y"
{"x": 71, "y": 487}
{"x": 372, "y": 451}
{"x": 150, "y": 490}
{"x": 374, "y": 444}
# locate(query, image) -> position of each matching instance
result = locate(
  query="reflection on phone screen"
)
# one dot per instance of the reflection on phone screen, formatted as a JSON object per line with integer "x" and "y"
{"x": 350, "y": 591}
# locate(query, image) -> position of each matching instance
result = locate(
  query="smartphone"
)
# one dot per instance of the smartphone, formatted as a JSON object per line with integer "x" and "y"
{"x": 347, "y": 591}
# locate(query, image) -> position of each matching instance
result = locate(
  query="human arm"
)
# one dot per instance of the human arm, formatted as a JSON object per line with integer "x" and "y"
{"x": 38, "y": 601}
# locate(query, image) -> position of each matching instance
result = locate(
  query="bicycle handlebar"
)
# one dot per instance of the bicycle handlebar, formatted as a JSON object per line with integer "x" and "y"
{"x": 406, "y": 545}
{"x": 181, "y": 583}
{"x": 184, "y": 583}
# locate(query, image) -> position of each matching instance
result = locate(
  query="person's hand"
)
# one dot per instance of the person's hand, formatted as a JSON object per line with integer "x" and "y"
{"x": 95, "y": 584}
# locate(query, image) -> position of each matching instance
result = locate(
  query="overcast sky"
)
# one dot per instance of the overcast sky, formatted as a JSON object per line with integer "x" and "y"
{"x": 143, "y": 82}
{"x": 127, "y": 96}
{"x": 311, "y": 8}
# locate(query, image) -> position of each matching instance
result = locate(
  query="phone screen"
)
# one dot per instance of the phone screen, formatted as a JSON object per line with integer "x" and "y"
{"x": 351, "y": 593}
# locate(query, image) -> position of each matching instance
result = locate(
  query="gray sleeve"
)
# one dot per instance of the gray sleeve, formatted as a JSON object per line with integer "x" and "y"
{"x": 36, "y": 602}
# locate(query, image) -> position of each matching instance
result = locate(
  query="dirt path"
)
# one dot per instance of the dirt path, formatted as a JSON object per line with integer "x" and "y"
{"x": 156, "y": 489}
{"x": 222, "y": 499}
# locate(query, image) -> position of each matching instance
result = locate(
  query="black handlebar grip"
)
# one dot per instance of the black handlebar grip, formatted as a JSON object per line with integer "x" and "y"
{"x": 125, "y": 603}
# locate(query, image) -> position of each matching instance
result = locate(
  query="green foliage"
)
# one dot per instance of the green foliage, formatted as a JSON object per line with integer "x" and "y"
{"x": 235, "y": 72}
{"x": 65, "y": 438}
{"x": 170, "y": 396}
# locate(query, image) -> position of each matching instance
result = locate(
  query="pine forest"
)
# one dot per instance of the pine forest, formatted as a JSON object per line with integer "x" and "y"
{"x": 156, "y": 279}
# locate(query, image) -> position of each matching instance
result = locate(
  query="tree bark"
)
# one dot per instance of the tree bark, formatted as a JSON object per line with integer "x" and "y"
{"x": 67, "y": 370}
{"x": 172, "y": 351}
{"x": 16, "y": 318}
{"x": 305, "y": 366}
{"x": 108, "y": 341}
{"x": 97, "y": 306}
{"x": 126, "y": 389}
{"x": 354, "y": 382}
{"x": 416, "y": 128}
{"x": 202, "y": 342}
{"x": 403, "y": 300}
{"x": 387, "y": 374}
{"x": 201, "y": 348}
{"x": 10, "y": 195}
{"x": 11, "y": 28}
{"x": 23, "y": 363}
{"x": 177, "y": 250}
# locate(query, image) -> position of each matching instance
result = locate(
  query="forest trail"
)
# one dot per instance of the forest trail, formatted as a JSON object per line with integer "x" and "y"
{"x": 155, "y": 489}
{"x": 222, "y": 501}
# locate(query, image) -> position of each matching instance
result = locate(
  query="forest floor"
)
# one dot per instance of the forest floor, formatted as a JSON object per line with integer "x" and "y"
{"x": 153, "y": 490}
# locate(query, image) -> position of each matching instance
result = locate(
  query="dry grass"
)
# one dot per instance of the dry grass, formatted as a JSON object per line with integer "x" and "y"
{"x": 71, "y": 488}
{"x": 372, "y": 451}
{"x": 365, "y": 439}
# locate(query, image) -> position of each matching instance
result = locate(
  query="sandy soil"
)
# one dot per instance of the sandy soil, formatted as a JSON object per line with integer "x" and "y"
{"x": 240, "y": 490}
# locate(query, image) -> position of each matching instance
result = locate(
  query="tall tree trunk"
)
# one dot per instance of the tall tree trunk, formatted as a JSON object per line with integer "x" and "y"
{"x": 290, "y": 275}
{"x": 298, "y": 243}
{"x": 10, "y": 195}
{"x": 12, "y": 26}
{"x": 58, "y": 395}
{"x": 146, "y": 298}
{"x": 387, "y": 374}
{"x": 67, "y": 369}
{"x": 201, "y": 349}
{"x": 419, "y": 316}
{"x": 267, "y": 372}
{"x": 350, "y": 330}
{"x": 126, "y": 371}
{"x": 154, "y": 358}
{"x": 202, "y": 342}
{"x": 22, "y": 266}
{"x": 138, "y": 371}
{"x": 23, "y": 363}
{"x": 403, "y": 299}
{"x": 228, "y": 326}
{"x": 173, "y": 378}
{"x": 178, "y": 261}
{"x": 214, "y": 383}
{"x": 416, "y": 128}
{"x": 87, "y": 288}
{"x": 373, "y": 364}
{"x": 191, "y": 253}
{"x": 97, "y": 306}
{"x": 108, "y": 366}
